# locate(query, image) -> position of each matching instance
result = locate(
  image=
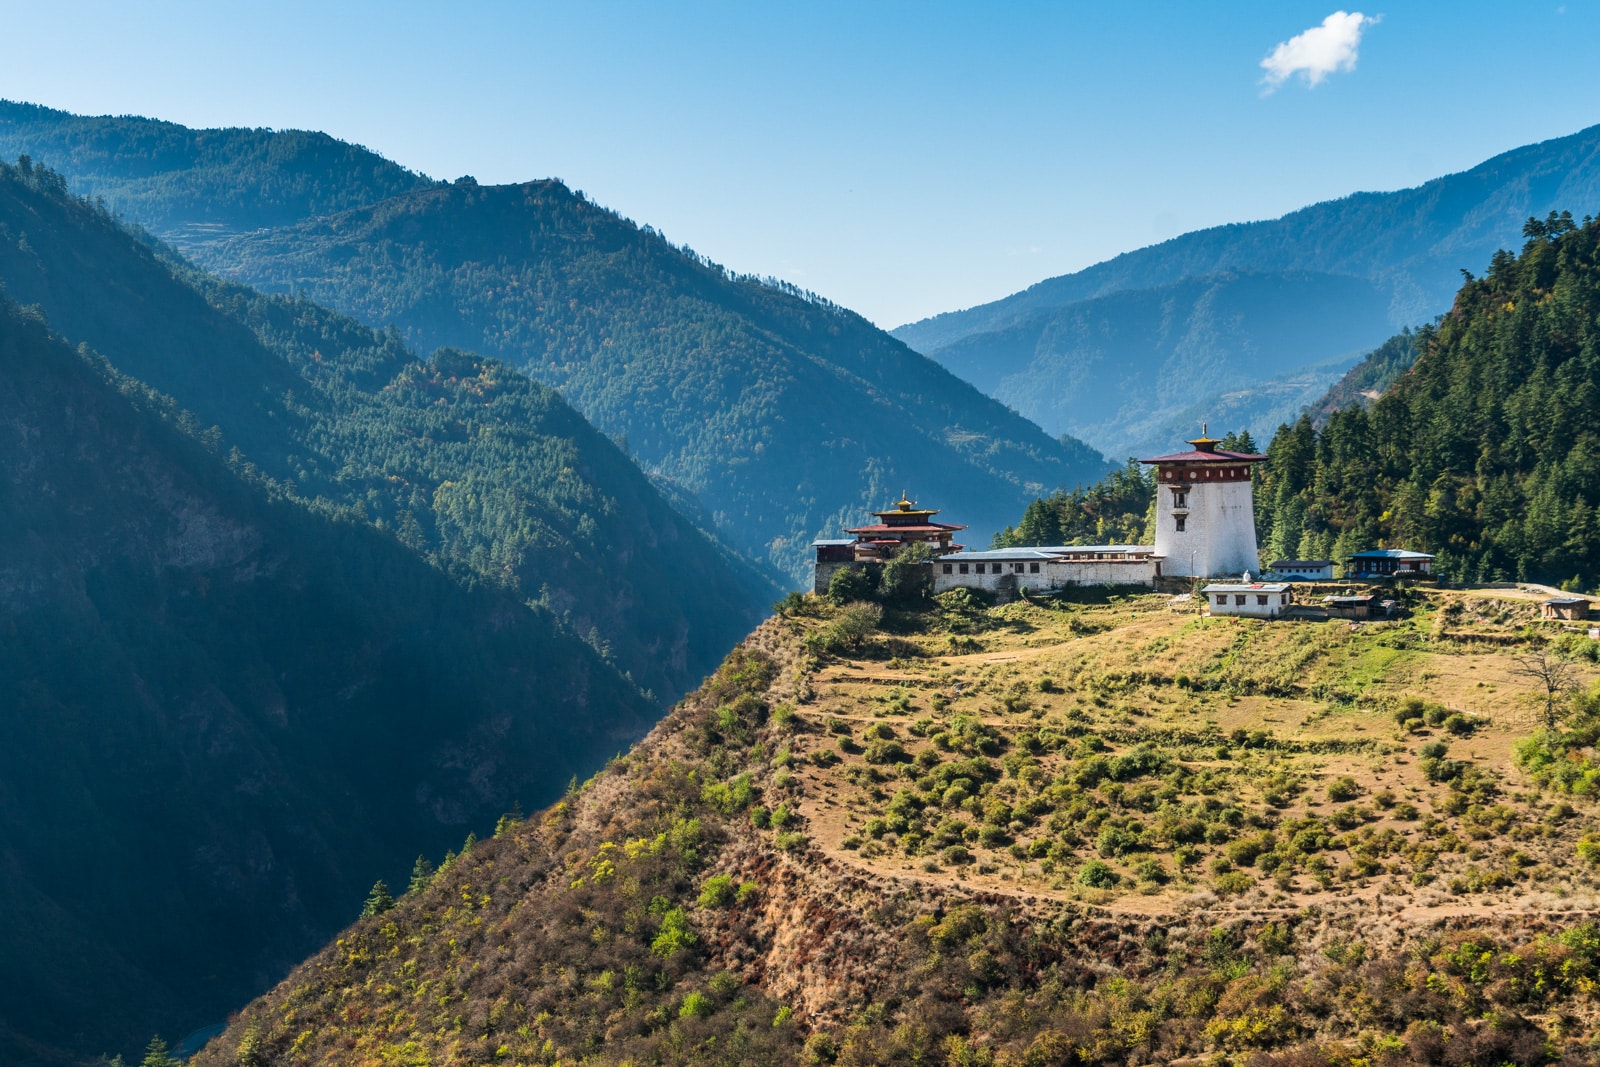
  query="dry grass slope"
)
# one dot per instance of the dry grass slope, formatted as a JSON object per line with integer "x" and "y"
{"x": 1090, "y": 832}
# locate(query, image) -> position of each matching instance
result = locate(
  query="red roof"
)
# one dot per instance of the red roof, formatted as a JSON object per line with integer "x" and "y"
{"x": 879, "y": 527}
{"x": 1218, "y": 456}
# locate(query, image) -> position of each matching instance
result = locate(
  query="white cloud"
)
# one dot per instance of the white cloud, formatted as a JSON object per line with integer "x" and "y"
{"x": 1318, "y": 52}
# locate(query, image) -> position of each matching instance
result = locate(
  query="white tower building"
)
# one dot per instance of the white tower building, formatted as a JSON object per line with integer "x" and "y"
{"x": 1205, "y": 512}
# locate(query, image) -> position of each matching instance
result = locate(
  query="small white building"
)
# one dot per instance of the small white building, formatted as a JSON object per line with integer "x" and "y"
{"x": 1303, "y": 570}
{"x": 1007, "y": 571}
{"x": 1258, "y": 600}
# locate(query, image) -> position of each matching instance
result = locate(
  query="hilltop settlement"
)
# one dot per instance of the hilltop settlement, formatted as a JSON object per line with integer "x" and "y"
{"x": 1205, "y": 544}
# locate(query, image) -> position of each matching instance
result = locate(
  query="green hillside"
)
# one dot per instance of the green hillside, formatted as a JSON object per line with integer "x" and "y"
{"x": 774, "y": 416}
{"x": 1136, "y": 370}
{"x": 784, "y": 417}
{"x": 1487, "y": 451}
{"x": 1372, "y": 377}
{"x": 468, "y": 462}
{"x": 227, "y": 713}
{"x": 195, "y": 185}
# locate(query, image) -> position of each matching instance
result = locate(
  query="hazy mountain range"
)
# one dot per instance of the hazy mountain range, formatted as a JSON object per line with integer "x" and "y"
{"x": 1250, "y": 320}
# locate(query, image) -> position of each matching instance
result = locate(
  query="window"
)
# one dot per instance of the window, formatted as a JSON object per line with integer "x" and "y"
{"x": 1261, "y": 600}
{"x": 948, "y": 568}
{"x": 1285, "y": 599}
{"x": 1017, "y": 567}
{"x": 1033, "y": 568}
{"x": 1221, "y": 600}
{"x": 963, "y": 568}
{"x": 1177, "y": 522}
{"x": 1180, "y": 498}
{"x": 1238, "y": 600}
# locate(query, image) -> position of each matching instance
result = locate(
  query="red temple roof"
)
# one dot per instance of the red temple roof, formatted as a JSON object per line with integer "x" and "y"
{"x": 880, "y": 527}
{"x": 1214, "y": 456}
{"x": 1205, "y": 450}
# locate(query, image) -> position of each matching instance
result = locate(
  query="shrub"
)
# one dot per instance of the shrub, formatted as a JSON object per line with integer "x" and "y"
{"x": 1117, "y": 841}
{"x": 674, "y": 934}
{"x": 956, "y": 855}
{"x": 852, "y": 583}
{"x": 1343, "y": 789}
{"x": 696, "y": 1005}
{"x": 1097, "y": 875}
{"x": 886, "y": 752}
{"x": 717, "y": 891}
{"x": 1150, "y": 869}
{"x": 1232, "y": 882}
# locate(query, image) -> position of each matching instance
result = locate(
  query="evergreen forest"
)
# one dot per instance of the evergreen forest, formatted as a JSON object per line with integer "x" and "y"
{"x": 228, "y": 709}
{"x": 490, "y": 475}
{"x": 1486, "y": 451}
{"x": 769, "y": 414}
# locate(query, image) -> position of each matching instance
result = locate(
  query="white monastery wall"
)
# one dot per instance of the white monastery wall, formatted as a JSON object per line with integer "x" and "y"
{"x": 1219, "y": 535}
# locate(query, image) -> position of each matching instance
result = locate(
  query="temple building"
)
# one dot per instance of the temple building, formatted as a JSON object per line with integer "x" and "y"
{"x": 1205, "y": 510}
{"x": 881, "y": 541}
{"x": 1005, "y": 572}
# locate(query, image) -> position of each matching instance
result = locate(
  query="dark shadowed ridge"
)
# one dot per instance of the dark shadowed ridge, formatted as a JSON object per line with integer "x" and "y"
{"x": 489, "y": 474}
{"x": 228, "y": 713}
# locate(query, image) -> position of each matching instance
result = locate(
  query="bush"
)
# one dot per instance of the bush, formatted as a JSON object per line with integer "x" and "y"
{"x": 853, "y": 583}
{"x": 1232, "y": 882}
{"x": 1343, "y": 789}
{"x": 956, "y": 855}
{"x": 696, "y": 1005}
{"x": 1117, "y": 841}
{"x": 1097, "y": 875}
{"x": 717, "y": 891}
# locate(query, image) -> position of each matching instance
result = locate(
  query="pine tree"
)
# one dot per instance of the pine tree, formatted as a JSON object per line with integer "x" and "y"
{"x": 421, "y": 875}
{"x": 156, "y": 1055}
{"x": 379, "y": 900}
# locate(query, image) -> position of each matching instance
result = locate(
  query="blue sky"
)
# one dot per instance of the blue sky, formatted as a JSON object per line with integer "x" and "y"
{"x": 901, "y": 159}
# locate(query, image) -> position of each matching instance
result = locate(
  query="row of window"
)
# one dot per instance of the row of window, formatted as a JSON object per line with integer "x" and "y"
{"x": 1206, "y": 473}
{"x": 1221, "y": 599}
{"x": 995, "y": 568}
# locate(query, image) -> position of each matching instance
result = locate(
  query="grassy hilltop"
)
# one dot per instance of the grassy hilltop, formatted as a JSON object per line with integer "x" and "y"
{"x": 1091, "y": 832}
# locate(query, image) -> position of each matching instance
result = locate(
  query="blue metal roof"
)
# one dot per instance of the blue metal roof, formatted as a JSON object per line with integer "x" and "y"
{"x": 1391, "y": 553}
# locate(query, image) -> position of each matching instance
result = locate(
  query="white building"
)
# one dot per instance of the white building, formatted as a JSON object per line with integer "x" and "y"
{"x": 1205, "y": 512}
{"x": 1302, "y": 570}
{"x": 1258, "y": 600}
{"x": 1007, "y": 571}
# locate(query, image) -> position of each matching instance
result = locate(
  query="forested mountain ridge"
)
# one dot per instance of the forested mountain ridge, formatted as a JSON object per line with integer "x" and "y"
{"x": 1350, "y": 271}
{"x": 1372, "y": 377}
{"x": 1135, "y": 370}
{"x": 784, "y": 417}
{"x": 467, "y": 461}
{"x": 1486, "y": 451}
{"x": 195, "y": 185}
{"x": 1413, "y": 242}
{"x": 226, "y": 712}
{"x": 776, "y": 417}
